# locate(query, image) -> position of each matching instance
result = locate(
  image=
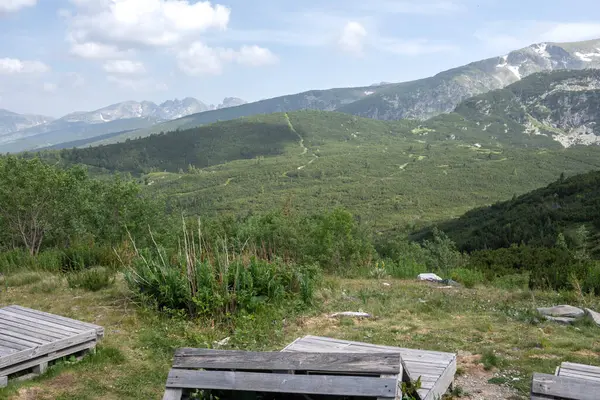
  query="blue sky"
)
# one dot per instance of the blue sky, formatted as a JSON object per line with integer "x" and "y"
{"x": 59, "y": 56}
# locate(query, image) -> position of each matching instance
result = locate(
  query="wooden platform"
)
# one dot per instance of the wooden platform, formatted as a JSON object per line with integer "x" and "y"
{"x": 571, "y": 382}
{"x": 285, "y": 373}
{"x": 436, "y": 369}
{"x": 30, "y": 339}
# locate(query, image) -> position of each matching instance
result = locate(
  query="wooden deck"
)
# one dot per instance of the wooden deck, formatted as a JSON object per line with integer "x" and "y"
{"x": 30, "y": 339}
{"x": 436, "y": 369}
{"x": 287, "y": 373}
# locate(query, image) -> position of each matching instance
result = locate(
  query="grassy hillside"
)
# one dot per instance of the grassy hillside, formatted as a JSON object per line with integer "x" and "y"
{"x": 397, "y": 174}
{"x": 327, "y": 100}
{"x": 535, "y": 218}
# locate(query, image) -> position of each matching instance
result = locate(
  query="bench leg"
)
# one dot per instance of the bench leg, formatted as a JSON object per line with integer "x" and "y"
{"x": 3, "y": 381}
{"x": 173, "y": 394}
{"x": 40, "y": 369}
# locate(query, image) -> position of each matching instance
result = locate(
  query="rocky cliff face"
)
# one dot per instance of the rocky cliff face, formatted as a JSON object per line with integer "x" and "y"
{"x": 562, "y": 105}
{"x": 12, "y": 122}
{"x": 443, "y": 92}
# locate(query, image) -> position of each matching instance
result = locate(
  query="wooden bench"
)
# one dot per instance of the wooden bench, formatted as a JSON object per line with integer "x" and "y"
{"x": 334, "y": 374}
{"x": 571, "y": 381}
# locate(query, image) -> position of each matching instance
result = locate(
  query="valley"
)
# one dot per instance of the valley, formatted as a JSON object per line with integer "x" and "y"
{"x": 246, "y": 225}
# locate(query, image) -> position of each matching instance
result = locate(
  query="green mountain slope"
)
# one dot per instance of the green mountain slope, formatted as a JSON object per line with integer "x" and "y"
{"x": 394, "y": 174}
{"x": 326, "y": 100}
{"x": 420, "y": 99}
{"x": 535, "y": 218}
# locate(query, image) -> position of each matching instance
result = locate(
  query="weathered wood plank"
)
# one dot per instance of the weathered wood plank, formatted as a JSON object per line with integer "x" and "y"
{"x": 28, "y": 353}
{"x": 381, "y": 363}
{"x": 24, "y": 337}
{"x": 6, "y": 326}
{"x": 424, "y": 363}
{"x": 11, "y": 369}
{"x": 84, "y": 326}
{"x": 33, "y": 325}
{"x": 283, "y": 383}
{"x": 21, "y": 317}
{"x": 418, "y": 353}
{"x": 565, "y": 388}
{"x": 579, "y": 375}
{"x": 590, "y": 369}
{"x": 173, "y": 394}
{"x": 6, "y": 336}
{"x": 11, "y": 345}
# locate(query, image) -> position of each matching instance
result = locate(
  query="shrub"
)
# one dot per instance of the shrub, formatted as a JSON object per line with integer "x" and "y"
{"x": 468, "y": 277}
{"x": 216, "y": 284}
{"x": 92, "y": 279}
{"x": 20, "y": 259}
{"x": 22, "y": 279}
{"x": 81, "y": 256}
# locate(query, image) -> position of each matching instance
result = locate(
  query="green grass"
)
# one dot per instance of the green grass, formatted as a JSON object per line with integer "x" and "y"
{"x": 136, "y": 353}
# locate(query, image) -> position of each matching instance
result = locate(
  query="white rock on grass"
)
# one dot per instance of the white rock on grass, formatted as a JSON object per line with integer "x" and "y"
{"x": 429, "y": 277}
{"x": 353, "y": 314}
{"x": 562, "y": 311}
{"x": 594, "y": 315}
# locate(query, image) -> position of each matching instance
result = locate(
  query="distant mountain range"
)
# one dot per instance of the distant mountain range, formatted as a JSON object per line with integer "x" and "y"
{"x": 24, "y": 132}
{"x": 12, "y": 122}
{"x": 420, "y": 99}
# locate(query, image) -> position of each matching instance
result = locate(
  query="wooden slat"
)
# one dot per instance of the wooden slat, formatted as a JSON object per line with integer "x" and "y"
{"x": 28, "y": 353}
{"x": 417, "y": 353}
{"x": 47, "y": 357}
{"x": 580, "y": 367}
{"x": 24, "y": 337}
{"x": 381, "y": 363}
{"x": 579, "y": 375}
{"x": 5, "y": 318}
{"x": 283, "y": 383}
{"x": 422, "y": 362}
{"x": 7, "y": 326}
{"x": 84, "y": 326}
{"x": 49, "y": 324}
{"x": 173, "y": 394}
{"x": 565, "y": 388}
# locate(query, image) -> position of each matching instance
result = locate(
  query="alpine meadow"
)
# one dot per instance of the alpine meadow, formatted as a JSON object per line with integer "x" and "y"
{"x": 247, "y": 225}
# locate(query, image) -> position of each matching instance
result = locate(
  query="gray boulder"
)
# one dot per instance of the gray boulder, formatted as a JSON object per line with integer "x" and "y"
{"x": 561, "y": 320}
{"x": 562, "y": 311}
{"x": 595, "y": 316}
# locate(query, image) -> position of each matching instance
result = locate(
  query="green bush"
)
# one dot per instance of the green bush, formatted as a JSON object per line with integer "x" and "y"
{"x": 80, "y": 257}
{"x": 20, "y": 259}
{"x": 92, "y": 279}
{"x": 468, "y": 277}
{"x": 216, "y": 284}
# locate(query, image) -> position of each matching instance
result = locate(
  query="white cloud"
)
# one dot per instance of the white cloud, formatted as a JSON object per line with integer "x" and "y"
{"x": 199, "y": 59}
{"x": 352, "y": 38}
{"x": 504, "y": 36}
{"x": 50, "y": 87}
{"x": 255, "y": 56}
{"x": 133, "y": 24}
{"x": 15, "y": 5}
{"x": 13, "y": 66}
{"x": 137, "y": 85}
{"x": 125, "y": 67}
{"x": 93, "y": 50}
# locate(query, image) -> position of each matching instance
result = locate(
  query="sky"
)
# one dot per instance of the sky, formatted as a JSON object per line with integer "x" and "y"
{"x": 61, "y": 56}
